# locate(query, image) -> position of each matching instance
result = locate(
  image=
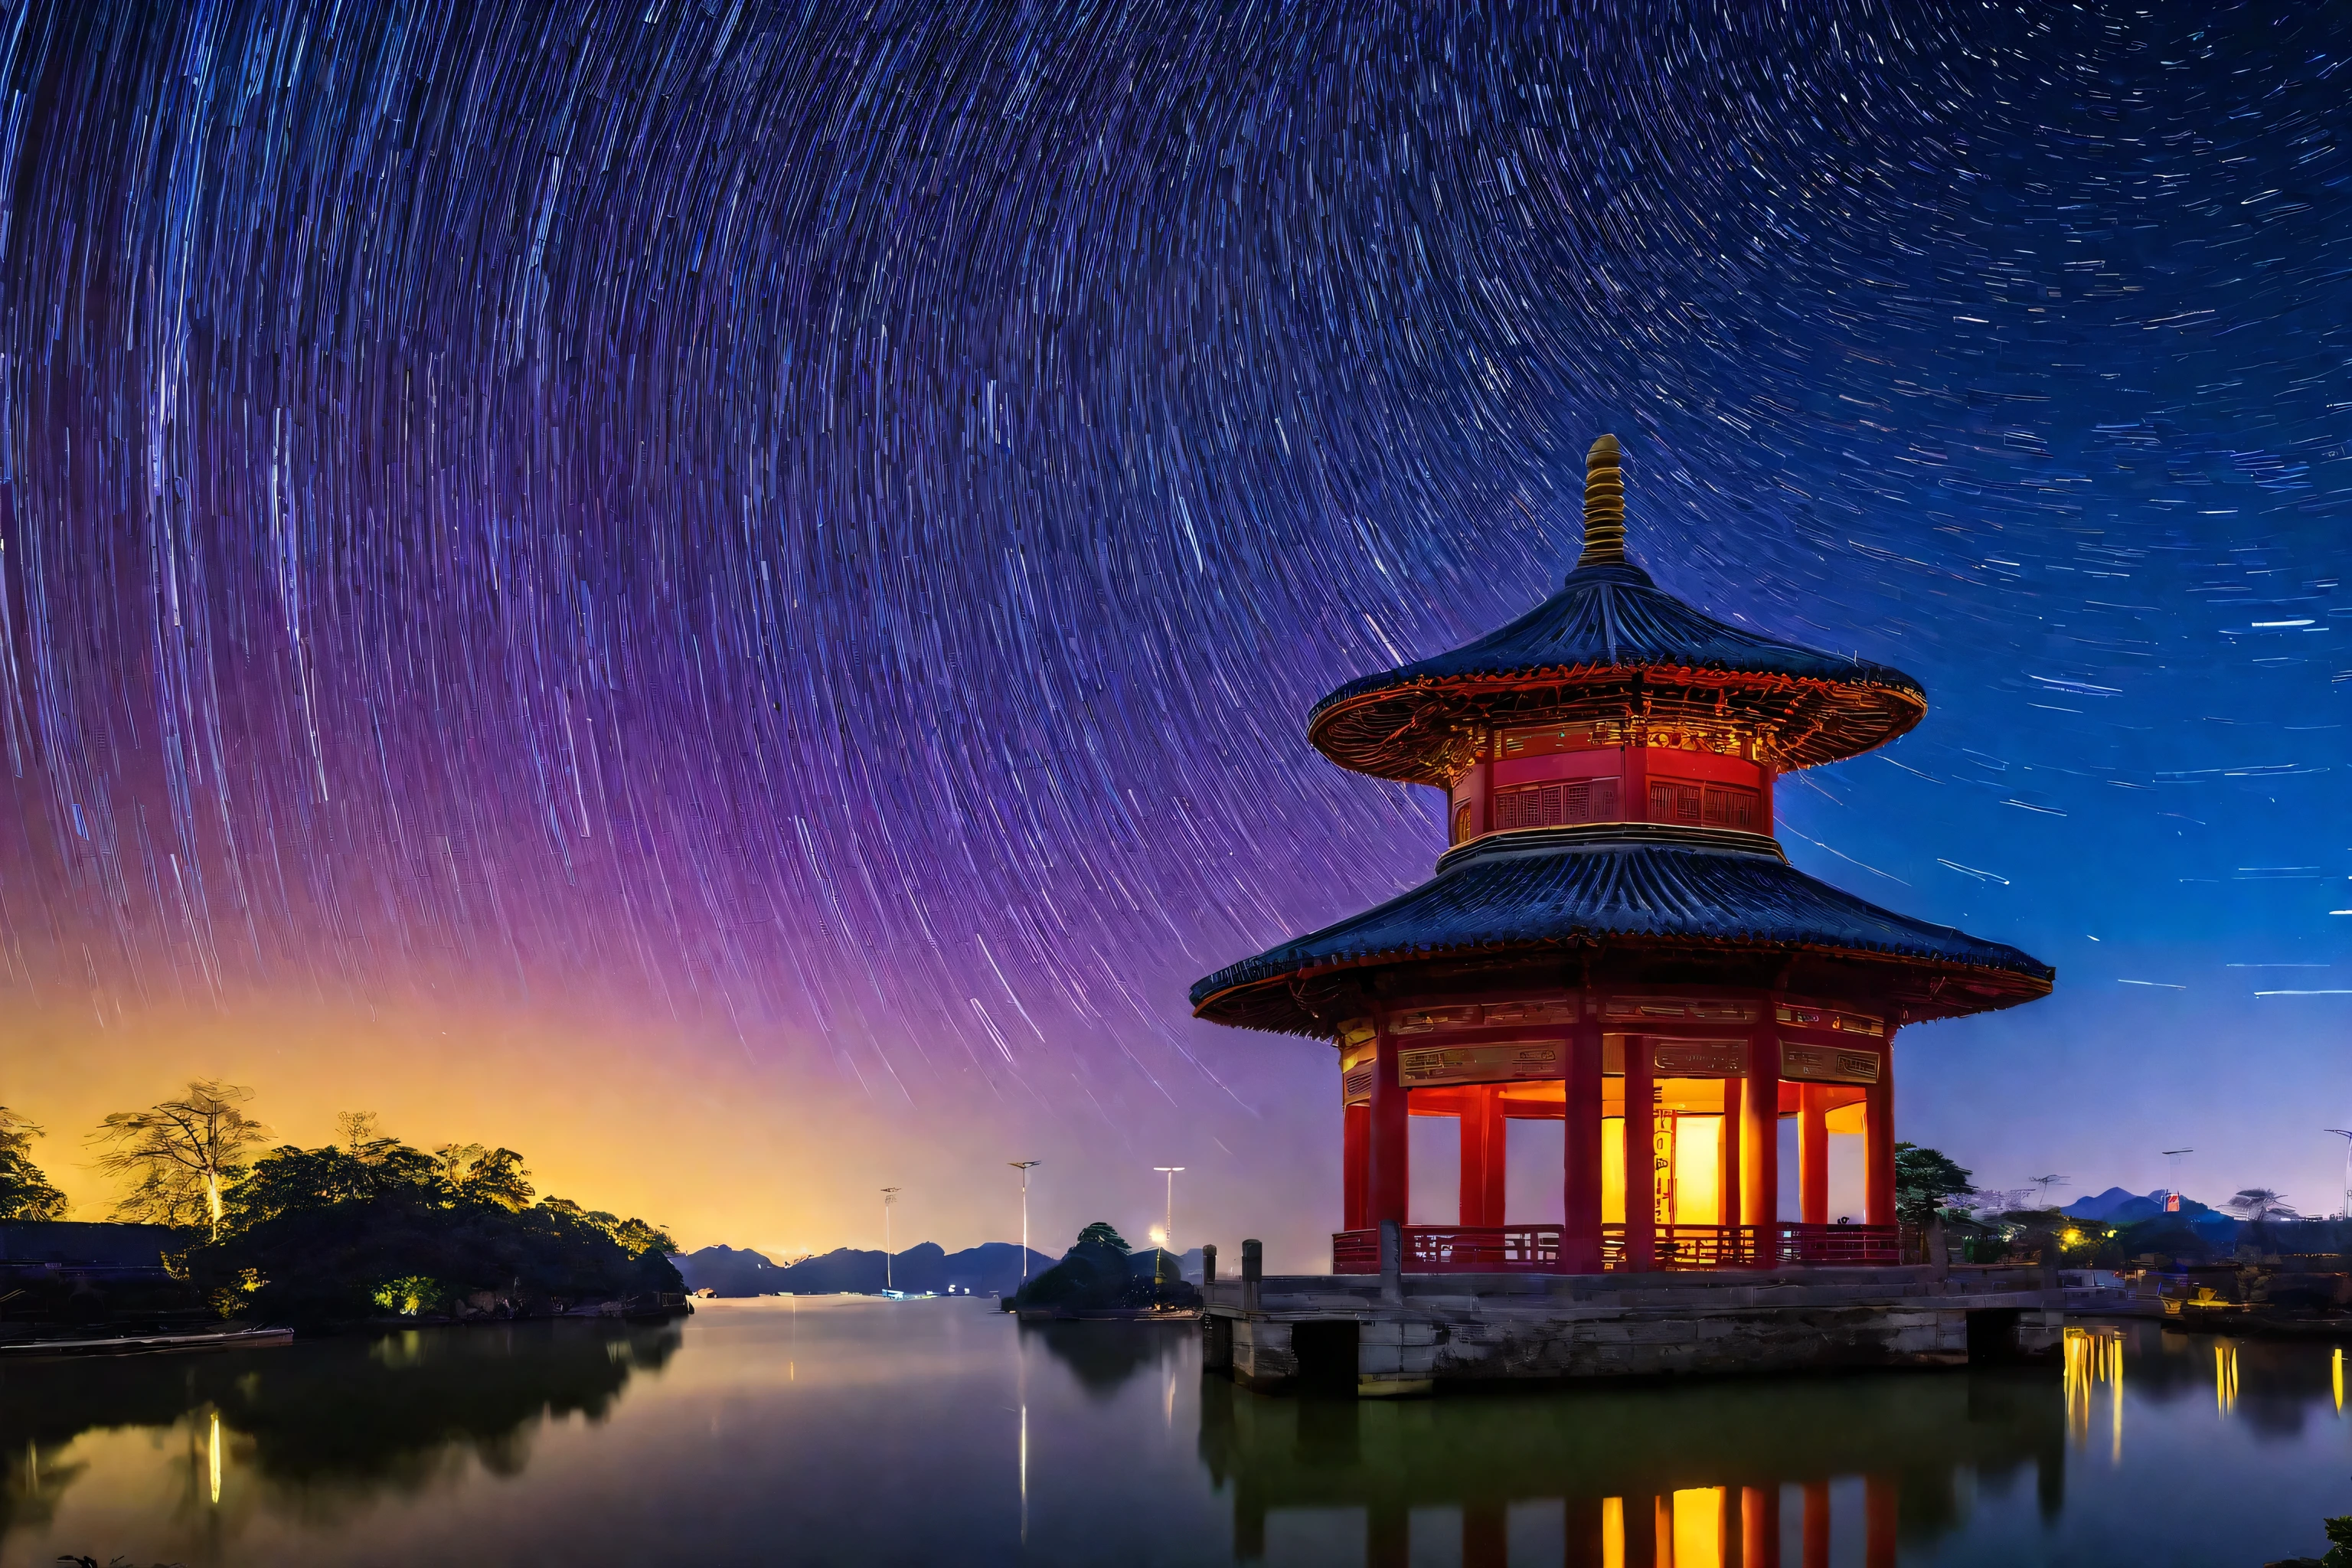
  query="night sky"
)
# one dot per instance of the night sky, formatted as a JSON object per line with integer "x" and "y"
{"x": 726, "y": 594}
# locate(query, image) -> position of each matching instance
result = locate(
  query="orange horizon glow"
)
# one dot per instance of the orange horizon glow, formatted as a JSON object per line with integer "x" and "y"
{"x": 672, "y": 1127}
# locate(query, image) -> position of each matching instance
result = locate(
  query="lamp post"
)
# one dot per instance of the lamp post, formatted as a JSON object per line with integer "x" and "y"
{"x": 890, "y": 1196}
{"x": 1024, "y": 1166}
{"x": 1167, "y": 1227}
{"x": 2340, "y": 1132}
{"x": 2045, "y": 1183}
{"x": 2172, "y": 1167}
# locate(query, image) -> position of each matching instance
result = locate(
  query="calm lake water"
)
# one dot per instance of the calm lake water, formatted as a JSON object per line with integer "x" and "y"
{"x": 852, "y": 1431}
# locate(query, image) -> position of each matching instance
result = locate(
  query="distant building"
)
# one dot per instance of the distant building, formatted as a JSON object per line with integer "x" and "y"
{"x": 98, "y": 1250}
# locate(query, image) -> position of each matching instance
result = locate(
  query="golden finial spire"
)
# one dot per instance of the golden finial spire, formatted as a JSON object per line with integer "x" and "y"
{"x": 1604, "y": 507}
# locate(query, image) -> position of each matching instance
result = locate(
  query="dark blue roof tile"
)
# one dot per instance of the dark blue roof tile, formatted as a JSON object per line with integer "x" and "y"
{"x": 1636, "y": 887}
{"x": 1614, "y": 619}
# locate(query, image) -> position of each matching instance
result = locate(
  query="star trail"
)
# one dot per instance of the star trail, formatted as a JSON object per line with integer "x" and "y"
{"x": 809, "y": 532}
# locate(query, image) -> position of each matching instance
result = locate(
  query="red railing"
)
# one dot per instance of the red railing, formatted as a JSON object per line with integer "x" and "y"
{"x": 1535, "y": 1248}
{"x": 1842, "y": 1245}
{"x": 1454, "y": 1249}
{"x": 1783, "y": 1245}
{"x": 1688, "y": 1246}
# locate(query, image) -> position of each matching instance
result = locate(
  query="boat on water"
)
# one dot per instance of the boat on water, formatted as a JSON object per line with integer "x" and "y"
{"x": 146, "y": 1345}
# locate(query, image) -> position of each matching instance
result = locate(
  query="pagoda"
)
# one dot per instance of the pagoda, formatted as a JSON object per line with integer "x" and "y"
{"x": 1614, "y": 940}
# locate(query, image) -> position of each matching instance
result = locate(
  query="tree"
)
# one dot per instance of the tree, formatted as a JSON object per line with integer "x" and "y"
{"x": 633, "y": 1235}
{"x": 319, "y": 1235}
{"x": 1103, "y": 1232}
{"x": 288, "y": 1179}
{"x": 486, "y": 1175}
{"x": 183, "y": 1152}
{"x": 364, "y": 1136}
{"x": 24, "y": 1190}
{"x": 1923, "y": 1178}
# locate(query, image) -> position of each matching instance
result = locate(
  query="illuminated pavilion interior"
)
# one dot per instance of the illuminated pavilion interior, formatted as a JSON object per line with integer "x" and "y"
{"x": 1614, "y": 939}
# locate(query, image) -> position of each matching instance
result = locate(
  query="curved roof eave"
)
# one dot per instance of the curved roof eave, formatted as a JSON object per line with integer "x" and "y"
{"x": 1694, "y": 896}
{"x": 2007, "y": 984}
{"x": 1612, "y": 622}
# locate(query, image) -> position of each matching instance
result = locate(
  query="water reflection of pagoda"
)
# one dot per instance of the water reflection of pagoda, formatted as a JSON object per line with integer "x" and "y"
{"x": 1615, "y": 940}
{"x": 1701, "y": 1481}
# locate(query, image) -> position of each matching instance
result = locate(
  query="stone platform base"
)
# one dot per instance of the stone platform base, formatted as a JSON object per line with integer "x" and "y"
{"x": 1410, "y": 1335}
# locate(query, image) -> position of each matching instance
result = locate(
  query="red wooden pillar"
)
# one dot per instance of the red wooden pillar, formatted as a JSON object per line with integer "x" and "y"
{"x": 1640, "y": 1156}
{"x": 1759, "y": 1140}
{"x": 1813, "y": 1154}
{"x": 1642, "y": 1530}
{"x": 1388, "y": 1533}
{"x": 1727, "y": 1164}
{"x": 1355, "y": 1166}
{"x": 1637, "y": 804}
{"x": 1879, "y": 1498}
{"x": 1482, "y": 1154}
{"x": 1817, "y": 1524}
{"x": 1486, "y": 1534}
{"x": 1770, "y": 825}
{"x": 1389, "y": 1181}
{"x": 1878, "y": 1142}
{"x": 1759, "y": 1527}
{"x": 1580, "y": 1235}
{"x": 1729, "y": 1536}
{"x": 1486, "y": 790}
{"x": 1583, "y": 1520}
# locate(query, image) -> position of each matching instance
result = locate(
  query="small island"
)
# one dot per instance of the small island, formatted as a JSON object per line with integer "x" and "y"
{"x": 1101, "y": 1277}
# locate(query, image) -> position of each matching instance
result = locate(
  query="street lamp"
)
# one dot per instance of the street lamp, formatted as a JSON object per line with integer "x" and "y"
{"x": 1168, "y": 1229}
{"x": 1024, "y": 1167}
{"x": 890, "y": 1196}
{"x": 2347, "y": 1166}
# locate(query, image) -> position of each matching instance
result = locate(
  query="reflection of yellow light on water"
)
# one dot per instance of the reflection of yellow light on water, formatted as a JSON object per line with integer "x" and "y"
{"x": 1698, "y": 1528}
{"x": 2335, "y": 1370}
{"x": 2093, "y": 1357}
{"x": 2225, "y": 1377}
{"x": 1612, "y": 1532}
{"x": 216, "y": 1457}
{"x": 2116, "y": 1393}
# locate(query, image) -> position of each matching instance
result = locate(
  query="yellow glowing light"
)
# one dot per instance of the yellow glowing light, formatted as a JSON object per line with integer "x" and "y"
{"x": 1612, "y": 1532}
{"x": 2116, "y": 1396}
{"x": 2336, "y": 1370}
{"x": 215, "y": 1458}
{"x": 2072, "y": 1237}
{"x": 1697, "y": 1529}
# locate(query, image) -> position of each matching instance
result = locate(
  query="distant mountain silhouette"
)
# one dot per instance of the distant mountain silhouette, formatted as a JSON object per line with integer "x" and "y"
{"x": 729, "y": 1271}
{"x": 991, "y": 1267}
{"x": 2115, "y": 1206}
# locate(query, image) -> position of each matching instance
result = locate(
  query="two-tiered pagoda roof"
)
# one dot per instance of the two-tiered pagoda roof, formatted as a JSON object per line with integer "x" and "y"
{"x": 1612, "y": 661}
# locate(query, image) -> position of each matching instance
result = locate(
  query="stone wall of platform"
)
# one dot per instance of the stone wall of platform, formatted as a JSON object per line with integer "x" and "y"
{"x": 1413, "y": 1334}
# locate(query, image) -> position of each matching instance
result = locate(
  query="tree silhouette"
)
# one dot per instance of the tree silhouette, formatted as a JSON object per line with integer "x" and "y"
{"x": 1924, "y": 1179}
{"x": 182, "y": 1150}
{"x": 24, "y": 1190}
{"x": 1103, "y": 1232}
